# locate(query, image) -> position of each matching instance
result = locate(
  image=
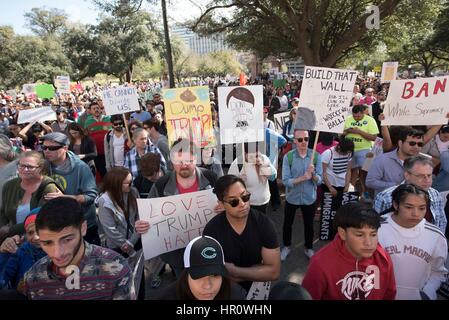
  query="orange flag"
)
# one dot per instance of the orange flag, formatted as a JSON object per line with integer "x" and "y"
{"x": 243, "y": 79}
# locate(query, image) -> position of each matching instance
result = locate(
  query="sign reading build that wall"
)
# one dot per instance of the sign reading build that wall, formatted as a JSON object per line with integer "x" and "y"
{"x": 241, "y": 114}
{"x": 37, "y": 114}
{"x": 329, "y": 206}
{"x": 389, "y": 71}
{"x": 120, "y": 100}
{"x": 188, "y": 115}
{"x": 423, "y": 101}
{"x": 327, "y": 93}
{"x": 175, "y": 220}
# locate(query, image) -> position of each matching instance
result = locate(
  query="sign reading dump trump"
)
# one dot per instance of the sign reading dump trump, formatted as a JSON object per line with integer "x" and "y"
{"x": 241, "y": 114}
{"x": 188, "y": 115}
{"x": 120, "y": 100}
{"x": 175, "y": 220}
{"x": 327, "y": 93}
{"x": 423, "y": 101}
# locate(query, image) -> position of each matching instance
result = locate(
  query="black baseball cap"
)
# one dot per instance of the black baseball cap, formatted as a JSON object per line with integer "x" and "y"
{"x": 203, "y": 257}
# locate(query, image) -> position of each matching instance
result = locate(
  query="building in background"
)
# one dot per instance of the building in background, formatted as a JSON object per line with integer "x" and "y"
{"x": 198, "y": 44}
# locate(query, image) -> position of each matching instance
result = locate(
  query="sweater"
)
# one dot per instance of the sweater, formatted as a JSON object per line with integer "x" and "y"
{"x": 12, "y": 195}
{"x": 418, "y": 256}
{"x": 335, "y": 274}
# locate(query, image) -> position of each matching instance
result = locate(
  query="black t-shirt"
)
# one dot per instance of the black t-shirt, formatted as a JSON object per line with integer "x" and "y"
{"x": 143, "y": 185}
{"x": 244, "y": 250}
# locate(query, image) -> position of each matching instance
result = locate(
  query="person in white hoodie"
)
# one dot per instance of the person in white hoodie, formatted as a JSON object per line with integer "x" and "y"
{"x": 417, "y": 248}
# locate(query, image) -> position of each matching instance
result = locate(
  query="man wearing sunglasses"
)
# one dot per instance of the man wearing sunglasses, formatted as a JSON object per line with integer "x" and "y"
{"x": 248, "y": 238}
{"x": 388, "y": 169}
{"x": 115, "y": 143}
{"x": 417, "y": 171}
{"x": 74, "y": 177}
{"x": 301, "y": 179}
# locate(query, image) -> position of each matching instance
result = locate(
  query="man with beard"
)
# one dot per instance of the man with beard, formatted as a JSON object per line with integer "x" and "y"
{"x": 74, "y": 269}
{"x": 186, "y": 177}
{"x": 115, "y": 143}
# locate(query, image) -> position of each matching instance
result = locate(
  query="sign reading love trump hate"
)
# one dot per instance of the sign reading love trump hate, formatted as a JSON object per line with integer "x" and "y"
{"x": 327, "y": 93}
{"x": 120, "y": 100}
{"x": 188, "y": 115}
{"x": 241, "y": 114}
{"x": 423, "y": 101}
{"x": 175, "y": 220}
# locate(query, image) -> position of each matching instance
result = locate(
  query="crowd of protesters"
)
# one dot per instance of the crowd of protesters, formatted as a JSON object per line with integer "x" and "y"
{"x": 69, "y": 186}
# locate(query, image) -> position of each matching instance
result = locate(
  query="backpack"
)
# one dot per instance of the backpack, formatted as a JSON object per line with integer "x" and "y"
{"x": 162, "y": 182}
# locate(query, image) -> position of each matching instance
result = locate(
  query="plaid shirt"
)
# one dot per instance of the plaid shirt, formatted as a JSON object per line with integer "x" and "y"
{"x": 132, "y": 159}
{"x": 383, "y": 202}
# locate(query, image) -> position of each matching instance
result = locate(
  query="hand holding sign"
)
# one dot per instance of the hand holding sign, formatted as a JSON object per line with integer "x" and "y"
{"x": 142, "y": 226}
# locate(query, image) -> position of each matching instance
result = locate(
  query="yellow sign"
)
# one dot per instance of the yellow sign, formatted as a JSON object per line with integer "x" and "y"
{"x": 188, "y": 115}
{"x": 377, "y": 69}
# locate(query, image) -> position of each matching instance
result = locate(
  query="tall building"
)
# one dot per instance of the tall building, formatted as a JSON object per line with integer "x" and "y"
{"x": 199, "y": 44}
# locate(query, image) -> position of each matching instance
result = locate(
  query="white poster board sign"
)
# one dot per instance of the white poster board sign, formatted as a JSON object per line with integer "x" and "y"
{"x": 175, "y": 220}
{"x": 327, "y": 93}
{"x": 241, "y": 114}
{"x": 259, "y": 291}
{"x": 423, "y": 101}
{"x": 37, "y": 114}
{"x": 29, "y": 89}
{"x": 389, "y": 71}
{"x": 63, "y": 84}
{"x": 280, "y": 119}
{"x": 120, "y": 100}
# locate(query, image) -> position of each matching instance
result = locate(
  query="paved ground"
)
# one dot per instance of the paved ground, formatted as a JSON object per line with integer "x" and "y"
{"x": 292, "y": 269}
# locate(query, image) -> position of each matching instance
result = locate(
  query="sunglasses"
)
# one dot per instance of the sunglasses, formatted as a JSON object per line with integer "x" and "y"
{"x": 51, "y": 148}
{"x": 414, "y": 143}
{"x": 235, "y": 202}
{"x": 117, "y": 124}
{"x": 305, "y": 139}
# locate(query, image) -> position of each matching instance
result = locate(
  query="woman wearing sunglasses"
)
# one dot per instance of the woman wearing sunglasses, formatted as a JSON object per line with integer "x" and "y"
{"x": 255, "y": 171}
{"x": 24, "y": 193}
{"x": 117, "y": 212}
{"x": 248, "y": 238}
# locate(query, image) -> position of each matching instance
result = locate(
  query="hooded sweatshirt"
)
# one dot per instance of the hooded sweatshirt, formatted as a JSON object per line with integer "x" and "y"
{"x": 76, "y": 178}
{"x": 334, "y": 274}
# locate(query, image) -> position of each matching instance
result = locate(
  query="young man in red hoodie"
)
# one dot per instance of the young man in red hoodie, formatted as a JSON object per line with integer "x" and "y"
{"x": 353, "y": 266}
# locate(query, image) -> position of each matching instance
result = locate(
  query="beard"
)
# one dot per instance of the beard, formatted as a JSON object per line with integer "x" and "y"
{"x": 185, "y": 173}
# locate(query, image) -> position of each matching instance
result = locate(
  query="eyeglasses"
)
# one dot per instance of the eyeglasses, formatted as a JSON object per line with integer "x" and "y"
{"x": 51, "y": 148}
{"x": 235, "y": 202}
{"x": 421, "y": 176}
{"x": 414, "y": 143}
{"x": 306, "y": 139}
{"x": 26, "y": 167}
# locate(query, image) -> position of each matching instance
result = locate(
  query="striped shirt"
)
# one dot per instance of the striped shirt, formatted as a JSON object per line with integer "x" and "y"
{"x": 337, "y": 166}
{"x": 104, "y": 275}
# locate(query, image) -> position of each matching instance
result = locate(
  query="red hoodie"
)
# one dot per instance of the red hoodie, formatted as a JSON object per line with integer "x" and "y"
{"x": 334, "y": 274}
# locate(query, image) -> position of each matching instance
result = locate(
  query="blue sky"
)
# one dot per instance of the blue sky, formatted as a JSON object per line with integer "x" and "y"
{"x": 80, "y": 10}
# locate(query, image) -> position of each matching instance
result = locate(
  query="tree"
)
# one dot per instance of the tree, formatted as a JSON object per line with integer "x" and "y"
{"x": 322, "y": 32}
{"x": 45, "y": 22}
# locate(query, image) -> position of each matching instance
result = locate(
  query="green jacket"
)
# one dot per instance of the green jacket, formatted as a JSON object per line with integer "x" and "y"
{"x": 12, "y": 195}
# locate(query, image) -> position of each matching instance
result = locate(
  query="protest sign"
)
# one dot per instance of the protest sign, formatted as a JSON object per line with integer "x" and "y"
{"x": 241, "y": 114}
{"x": 28, "y": 89}
{"x": 279, "y": 83}
{"x": 63, "y": 84}
{"x": 423, "y": 101}
{"x": 377, "y": 69}
{"x": 175, "y": 220}
{"x": 389, "y": 71}
{"x": 329, "y": 206}
{"x": 259, "y": 290}
{"x": 45, "y": 91}
{"x": 120, "y": 100}
{"x": 12, "y": 94}
{"x": 328, "y": 93}
{"x": 37, "y": 114}
{"x": 188, "y": 115}
{"x": 280, "y": 119}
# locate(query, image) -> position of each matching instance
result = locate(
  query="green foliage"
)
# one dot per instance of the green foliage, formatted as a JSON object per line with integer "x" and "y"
{"x": 45, "y": 22}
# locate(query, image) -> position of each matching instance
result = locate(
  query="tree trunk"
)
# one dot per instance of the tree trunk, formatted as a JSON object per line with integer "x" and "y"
{"x": 169, "y": 57}
{"x": 129, "y": 74}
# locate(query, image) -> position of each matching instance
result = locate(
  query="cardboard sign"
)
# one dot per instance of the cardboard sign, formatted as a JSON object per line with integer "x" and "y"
{"x": 280, "y": 119}
{"x": 63, "y": 84}
{"x": 45, "y": 91}
{"x": 389, "y": 71}
{"x": 241, "y": 114}
{"x": 327, "y": 93}
{"x": 37, "y": 114}
{"x": 329, "y": 206}
{"x": 188, "y": 115}
{"x": 423, "y": 101}
{"x": 175, "y": 220}
{"x": 259, "y": 291}
{"x": 120, "y": 100}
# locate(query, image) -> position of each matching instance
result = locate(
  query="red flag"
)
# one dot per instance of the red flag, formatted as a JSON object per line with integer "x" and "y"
{"x": 243, "y": 79}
